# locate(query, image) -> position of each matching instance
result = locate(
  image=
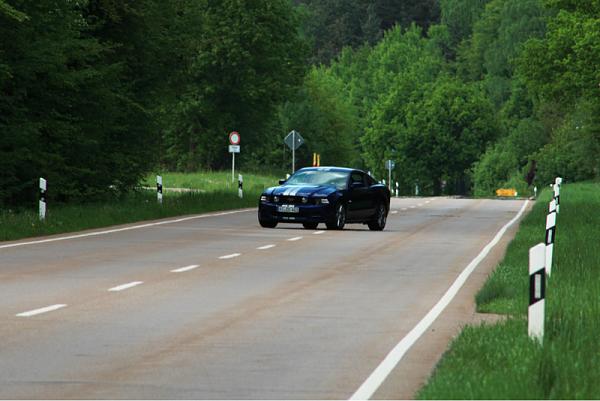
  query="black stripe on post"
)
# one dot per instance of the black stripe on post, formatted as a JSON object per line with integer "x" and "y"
{"x": 550, "y": 233}
{"x": 240, "y": 184}
{"x": 537, "y": 291}
{"x": 159, "y": 188}
{"x": 42, "y": 195}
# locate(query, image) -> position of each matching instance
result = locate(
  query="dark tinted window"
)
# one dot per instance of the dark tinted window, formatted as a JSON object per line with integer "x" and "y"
{"x": 357, "y": 176}
{"x": 370, "y": 180}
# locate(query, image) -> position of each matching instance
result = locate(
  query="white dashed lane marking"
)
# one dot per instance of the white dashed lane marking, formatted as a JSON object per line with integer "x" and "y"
{"x": 266, "y": 247}
{"x": 125, "y": 286}
{"x": 394, "y": 211}
{"x": 184, "y": 269}
{"x": 41, "y": 310}
{"x": 318, "y": 232}
{"x": 294, "y": 239}
{"x": 230, "y": 256}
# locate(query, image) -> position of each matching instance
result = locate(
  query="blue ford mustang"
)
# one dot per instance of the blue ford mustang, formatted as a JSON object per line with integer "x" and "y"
{"x": 331, "y": 195}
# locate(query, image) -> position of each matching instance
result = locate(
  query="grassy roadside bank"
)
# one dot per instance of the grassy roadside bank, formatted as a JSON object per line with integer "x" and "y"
{"x": 138, "y": 206}
{"x": 499, "y": 361}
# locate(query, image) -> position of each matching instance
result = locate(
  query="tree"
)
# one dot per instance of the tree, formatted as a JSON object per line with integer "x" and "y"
{"x": 326, "y": 119}
{"x": 241, "y": 60}
{"x": 447, "y": 131}
{"x": 398, "y": 71}
{"x": 67, "y": 114}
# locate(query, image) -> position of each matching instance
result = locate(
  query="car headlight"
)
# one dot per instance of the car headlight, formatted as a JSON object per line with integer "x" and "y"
{"x": 263, "y": 198}
{"x": 325, "y": 201}
{"x": 276, "y": 199}
{"x": 304, "y": 199}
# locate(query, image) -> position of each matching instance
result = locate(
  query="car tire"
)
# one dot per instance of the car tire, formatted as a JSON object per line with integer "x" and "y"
{"x": 378, "y": 223}
{"x": 339, "y": 218}
{"x": 267, "y": 223}
{"x": 310, "y": 226}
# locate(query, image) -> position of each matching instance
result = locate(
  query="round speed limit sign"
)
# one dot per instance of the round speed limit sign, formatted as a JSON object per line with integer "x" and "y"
{"x": 234, "y": 138}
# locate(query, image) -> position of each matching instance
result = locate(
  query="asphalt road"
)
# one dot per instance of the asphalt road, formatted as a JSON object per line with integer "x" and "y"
{"x": 217, "y": 307}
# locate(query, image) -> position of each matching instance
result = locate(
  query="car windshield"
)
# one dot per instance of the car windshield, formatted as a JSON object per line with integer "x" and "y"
{"x": 319, "y": 177}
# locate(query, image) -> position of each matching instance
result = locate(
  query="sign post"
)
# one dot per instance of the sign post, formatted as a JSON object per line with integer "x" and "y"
{"x": 389, "y": 165}
{"x": 293, "y": 140}
{"x": 234, "y": 147}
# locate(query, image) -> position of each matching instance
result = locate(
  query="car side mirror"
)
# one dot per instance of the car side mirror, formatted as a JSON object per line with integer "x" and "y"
{"x": 282, "y": 181}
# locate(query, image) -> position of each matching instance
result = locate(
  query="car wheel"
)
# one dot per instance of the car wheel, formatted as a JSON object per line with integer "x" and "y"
{"x": 310, "y": 226}
{"x": 378, "y": 223}
{"x": 339, "y": 218}
{"x": 267, "y": 223}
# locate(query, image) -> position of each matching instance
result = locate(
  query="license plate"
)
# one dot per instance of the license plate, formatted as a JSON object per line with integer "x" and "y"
{"x": 288, "y": 209}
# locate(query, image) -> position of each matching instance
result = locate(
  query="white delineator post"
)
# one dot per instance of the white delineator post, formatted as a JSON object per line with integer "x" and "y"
{"x": 535, "y": 192}
{"x": 557, "y": 183}
{"x": 42, "y": 203}
{"x": 550, "y": 234}
{"x": 159, "y": 189}
{"x": 396, "y": 189}
{"x": 537, "y": 292}
{"x": 240, "y": 186}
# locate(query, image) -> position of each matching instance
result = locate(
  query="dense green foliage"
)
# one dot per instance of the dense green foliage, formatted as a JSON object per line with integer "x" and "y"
{"x": 500, "y": 361}
{"x": 465, "y": 95}
{"x": 93, "y": 94}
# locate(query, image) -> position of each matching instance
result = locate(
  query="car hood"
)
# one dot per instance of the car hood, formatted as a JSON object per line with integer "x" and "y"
{"x": 301, "y": 190}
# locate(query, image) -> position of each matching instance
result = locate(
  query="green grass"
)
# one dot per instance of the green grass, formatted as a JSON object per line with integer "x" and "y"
{"x": 213, "y": 181}
{"x": 137, "y": 206}
{"x": 500, "y": 361}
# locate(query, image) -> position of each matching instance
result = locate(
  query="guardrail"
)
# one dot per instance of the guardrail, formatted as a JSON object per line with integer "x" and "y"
{"x": 540, "y": 265}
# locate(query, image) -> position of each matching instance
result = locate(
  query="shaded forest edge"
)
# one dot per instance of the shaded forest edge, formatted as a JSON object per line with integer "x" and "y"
{"x": 465, "y": 95}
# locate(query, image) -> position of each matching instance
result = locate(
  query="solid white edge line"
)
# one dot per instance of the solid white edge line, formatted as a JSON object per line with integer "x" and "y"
{"x": 266, "y": 247}
{"x": 371, "y": 385}
{"x": 318, "y": 232}
{"x": 294, "y": 239}
{"x": 41, "y": 310}
{"x": 185, "y": 269}
{"x": 116, "y": 230}
{"x": 125, "y": 286}
{"x": 232, "y": 255}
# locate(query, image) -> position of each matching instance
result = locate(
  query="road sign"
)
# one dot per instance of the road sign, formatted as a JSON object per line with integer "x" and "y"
{"x": 234, "y": 148}
{"x": 293, "y": 140}
{"x": 389, "y": 165}
{"x": 234, "y": 138}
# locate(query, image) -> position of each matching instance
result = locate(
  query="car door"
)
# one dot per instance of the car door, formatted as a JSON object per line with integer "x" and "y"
{"x": 373, "y": 195}
{"x": 358, "y": 203}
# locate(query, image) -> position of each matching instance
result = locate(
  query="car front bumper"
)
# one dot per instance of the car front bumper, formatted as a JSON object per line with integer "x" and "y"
{"x": 267, "y": 211}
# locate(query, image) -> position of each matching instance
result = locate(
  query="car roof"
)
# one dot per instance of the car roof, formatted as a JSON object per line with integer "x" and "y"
{"x": 330, "y": 168}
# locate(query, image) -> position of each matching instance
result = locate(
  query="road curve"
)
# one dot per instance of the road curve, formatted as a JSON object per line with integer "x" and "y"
{"x": 218, "y": 308}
